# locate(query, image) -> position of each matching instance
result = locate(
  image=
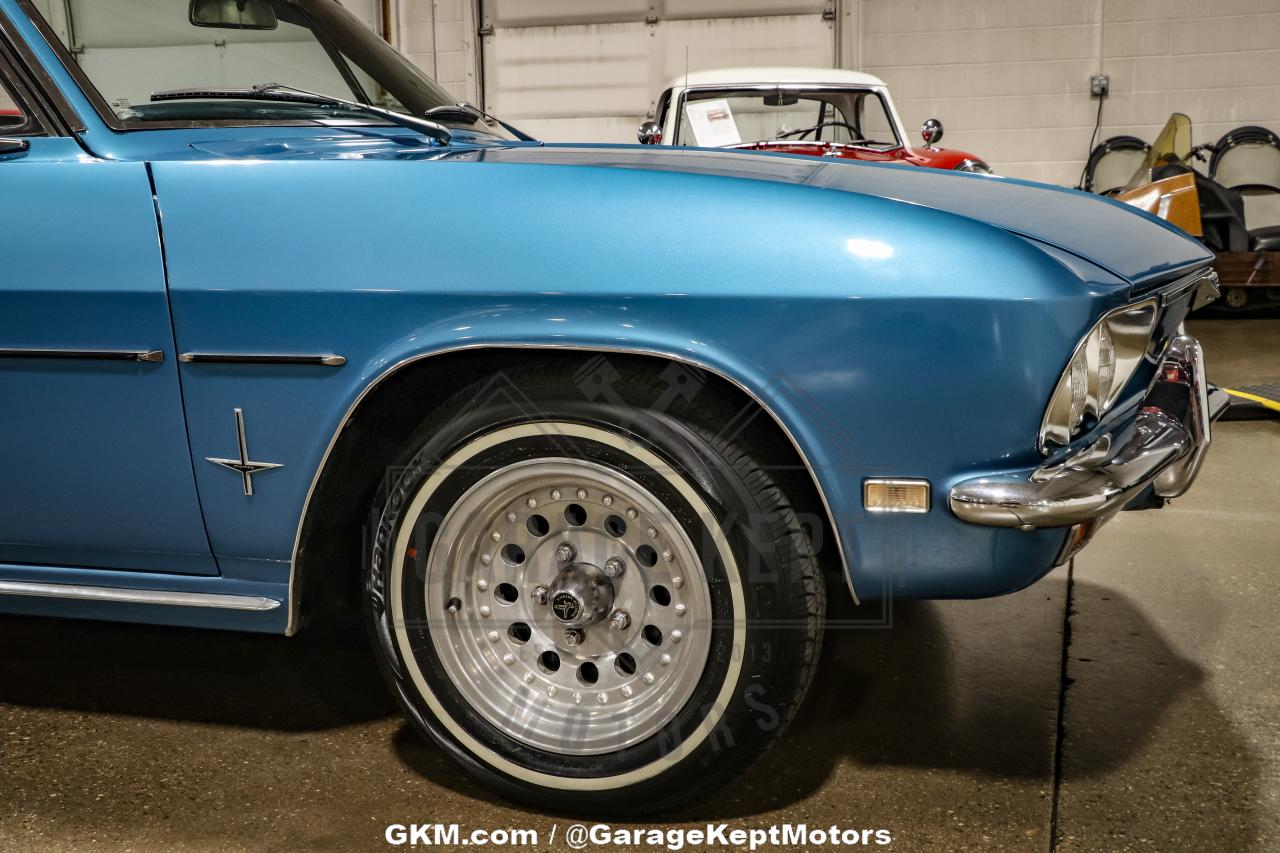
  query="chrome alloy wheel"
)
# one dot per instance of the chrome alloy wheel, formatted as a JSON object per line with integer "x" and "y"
{"x": 574, "y": 613}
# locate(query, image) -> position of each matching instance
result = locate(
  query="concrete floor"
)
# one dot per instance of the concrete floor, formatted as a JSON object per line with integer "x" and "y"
{"x": 945, "y": 730}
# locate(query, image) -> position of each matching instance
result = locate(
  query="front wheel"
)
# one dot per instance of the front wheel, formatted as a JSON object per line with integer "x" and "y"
{"x": 589, "y": 616}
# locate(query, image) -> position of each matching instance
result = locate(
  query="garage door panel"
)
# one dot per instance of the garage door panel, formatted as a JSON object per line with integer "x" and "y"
{"x": 586, "y": 70}
{"x": 535, "y": 13}
{"x": 726, "y": 42}
{"x": 684, "y": 9}
{"x": 589, "y": 129}
{"x": 550, "y": 78}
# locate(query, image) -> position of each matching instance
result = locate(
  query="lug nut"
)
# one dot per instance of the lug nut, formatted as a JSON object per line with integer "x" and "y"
{"x": 614, "y": 567}
{"x": 539, "y": 594}
{"x": 565, "y": 552}
{"x": 621, "y": 620}
{"x": 574, "y": 637}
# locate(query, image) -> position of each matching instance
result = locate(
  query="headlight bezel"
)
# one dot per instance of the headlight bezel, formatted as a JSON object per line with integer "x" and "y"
{"x": 1126, "y": 333}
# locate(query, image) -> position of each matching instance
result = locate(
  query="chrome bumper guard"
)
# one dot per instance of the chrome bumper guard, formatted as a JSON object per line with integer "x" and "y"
{"x": 1164, "y": 452}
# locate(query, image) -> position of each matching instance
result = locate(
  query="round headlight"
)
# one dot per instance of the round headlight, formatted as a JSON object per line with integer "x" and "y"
{"x": 976, "y": 166}
{"x": 1079, "y": 388}
{"x": 1098, "y": 371}
{"x": 1106, "y": 363}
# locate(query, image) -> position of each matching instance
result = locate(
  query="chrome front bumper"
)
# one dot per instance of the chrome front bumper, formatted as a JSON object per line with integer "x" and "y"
{"x": 1164, "y": 452}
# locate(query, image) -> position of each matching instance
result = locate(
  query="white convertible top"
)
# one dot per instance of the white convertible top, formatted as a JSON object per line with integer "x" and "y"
{"x": 780, "y": 76}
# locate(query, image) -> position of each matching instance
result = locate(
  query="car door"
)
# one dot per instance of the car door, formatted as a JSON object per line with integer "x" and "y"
{"x": 95, "y": 470}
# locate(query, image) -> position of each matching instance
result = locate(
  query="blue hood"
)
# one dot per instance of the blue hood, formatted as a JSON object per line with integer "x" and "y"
{"x": 1126, "y": 242}
{"x": 1123, "y": 240}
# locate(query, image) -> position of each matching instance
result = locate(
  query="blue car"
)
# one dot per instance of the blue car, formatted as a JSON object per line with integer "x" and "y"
{"x": 288, "y": 334}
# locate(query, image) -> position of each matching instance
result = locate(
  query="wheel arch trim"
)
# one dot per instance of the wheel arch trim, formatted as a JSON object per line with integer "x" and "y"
{"x": 604, "y": 349}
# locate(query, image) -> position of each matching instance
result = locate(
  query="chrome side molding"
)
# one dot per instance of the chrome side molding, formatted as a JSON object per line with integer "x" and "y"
{"x": 329, "y": 360}
{"x": 137, "y": 596}
{"x": 152, "y": 356}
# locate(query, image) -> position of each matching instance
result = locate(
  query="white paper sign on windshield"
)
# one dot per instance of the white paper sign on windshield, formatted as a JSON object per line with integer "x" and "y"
{"x": 712, "y": 123}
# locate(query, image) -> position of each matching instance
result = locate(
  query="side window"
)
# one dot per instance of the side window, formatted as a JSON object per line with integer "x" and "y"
{"x": 874, "y": 121}
{"x": 838, "y": 130}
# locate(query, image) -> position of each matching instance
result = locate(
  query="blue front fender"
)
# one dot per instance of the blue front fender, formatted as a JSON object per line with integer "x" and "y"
{"x": 888, "y": 339}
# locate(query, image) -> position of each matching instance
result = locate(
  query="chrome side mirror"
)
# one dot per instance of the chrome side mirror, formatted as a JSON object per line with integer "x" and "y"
{"x": 931, "y": 132}
{"x": 650, "y": 133}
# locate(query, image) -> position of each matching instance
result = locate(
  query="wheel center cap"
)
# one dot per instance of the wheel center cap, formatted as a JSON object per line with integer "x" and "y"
{"x": 580, "y": 595}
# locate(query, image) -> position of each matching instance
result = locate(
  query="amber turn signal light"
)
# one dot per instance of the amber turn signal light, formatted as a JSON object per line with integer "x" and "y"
{"x": 895, "y": 495}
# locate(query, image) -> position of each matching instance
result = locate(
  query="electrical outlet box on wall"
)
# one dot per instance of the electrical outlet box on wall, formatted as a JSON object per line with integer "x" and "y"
{"x": 1100, "y": 85}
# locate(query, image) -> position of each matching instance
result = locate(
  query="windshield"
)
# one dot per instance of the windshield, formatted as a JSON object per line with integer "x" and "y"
{"x": 130, "y": 50}
{"x": 1173, "y": 145}
{"x": 719, "y": 117}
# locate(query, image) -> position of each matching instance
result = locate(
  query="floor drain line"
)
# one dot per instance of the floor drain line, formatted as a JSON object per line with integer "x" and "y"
{"x": 1064, "y": 681}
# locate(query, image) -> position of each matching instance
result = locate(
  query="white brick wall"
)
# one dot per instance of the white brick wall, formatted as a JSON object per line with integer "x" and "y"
{"x": 439, "y": 36}
{"x": 1009, "y": 78}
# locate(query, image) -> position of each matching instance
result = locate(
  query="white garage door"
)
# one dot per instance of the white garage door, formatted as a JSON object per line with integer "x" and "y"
{"x": 590, "y": 71}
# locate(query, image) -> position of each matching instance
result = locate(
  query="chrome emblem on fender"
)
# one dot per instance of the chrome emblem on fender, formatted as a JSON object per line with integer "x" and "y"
{"x": 243, "y": 466}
